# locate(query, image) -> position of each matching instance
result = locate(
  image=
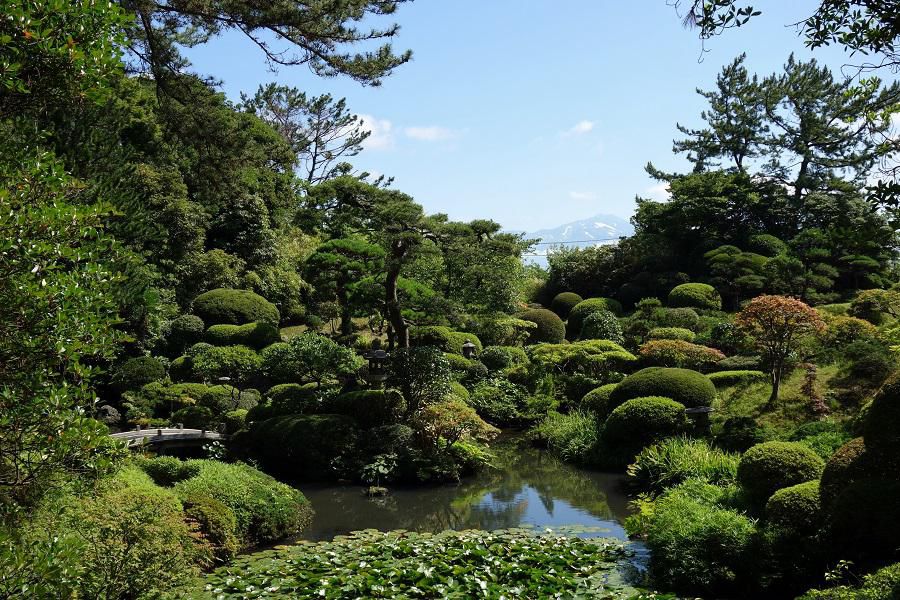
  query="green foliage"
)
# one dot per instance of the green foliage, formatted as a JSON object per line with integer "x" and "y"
{"x": 167, "y": 470}
{"x": 443, "y": 424}
{"x": 852, "y": 462}
{"x": 690, "y": 521}
{"x": 500, "y": 402}
{"x": 637, "y": 423}
{"x": 265, "y": 509}
{"x": 882, "y": 426}
{"x": 572, "y": 436}
{"x": 602, "y": 325}
{"x": 286, "y": 399}
{"x": 216, "y": 523}
{"x": 497, "y": 358}
{"x": 678, "y": 353}
{"x": 234, "y": 307}
{"x": 550, "y": 328}
{"x": 739, "y": 433}
{"x": 865, "y": 518}
{"x": 676, "y": 460}
{"x": 883, "y": 584}
{"x": 597, "y": 400}
{"x": 448, "y": 564}
{"x": 137, "y": 372}
{"x": 796, "y": 508}
{"x": 564, "y": 302}
{"x": 771, "y": 466}
{"x": 194, "y": 417}
{"x": 185, "y": 331}
{"x": 581, "y": 310}
{"x": 309, "y": 358}
{"x": 301, "y": 446}
{"x": 732, "y": 378}
{"x": 239, "y": 364}
{"x": 683, "y": 318}
{"x": 873, "y": 305}
{"x": 598, "y": 358}
{"x": 253, "y": 335}
{"x": 695, "y": 295}
{"x": 690, "y": 388}
{"x": 235, "y": 420}
{"x": 443, "y": 338}
{"x": 370, "y": 408}
{"x": 672, "y": 333}
{"x": 422, "y": 374}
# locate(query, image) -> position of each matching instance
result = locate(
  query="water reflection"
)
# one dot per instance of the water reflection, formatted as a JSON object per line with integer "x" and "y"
{"x": 528, "y": 488}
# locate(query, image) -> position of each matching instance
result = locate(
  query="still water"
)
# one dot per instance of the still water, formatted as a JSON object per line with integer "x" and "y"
{"x": 527, "y": 488}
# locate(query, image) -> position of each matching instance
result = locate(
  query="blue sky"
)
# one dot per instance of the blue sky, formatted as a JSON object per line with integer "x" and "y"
{"x": 532, "y": 113}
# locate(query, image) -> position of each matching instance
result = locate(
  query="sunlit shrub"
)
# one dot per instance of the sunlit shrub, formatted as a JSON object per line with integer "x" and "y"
{"x": 770, "y": 466}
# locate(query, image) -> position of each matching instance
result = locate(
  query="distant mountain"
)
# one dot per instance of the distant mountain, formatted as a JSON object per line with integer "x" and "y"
{"x": 595, "y": 231}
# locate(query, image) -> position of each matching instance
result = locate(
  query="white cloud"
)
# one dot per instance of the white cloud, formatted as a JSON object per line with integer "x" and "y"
{"x": 580, "y": 128}
{"x": 582, "y": 195}
{"x": 432, "y": 133}
{"x": 659, "y": 192}
{"x": 381, "y": 134}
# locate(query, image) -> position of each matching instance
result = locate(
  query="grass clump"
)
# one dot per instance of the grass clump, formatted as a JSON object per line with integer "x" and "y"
{"x": 676, "y": 460}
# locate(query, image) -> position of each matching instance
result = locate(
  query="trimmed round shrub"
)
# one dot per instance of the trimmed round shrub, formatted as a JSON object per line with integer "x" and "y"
{"x": 637, "y": 423}
{"x": 796, "y": 508}
{"x": 194, "y": 417}
{"x": 458, "y": 340}
{"x": 597, "y": 400}
{"x": 235, "y": 420}
{"x": 254, "y": 335}
{"x": 672, "y": 333}
{"x": 550, "y": 328}
{"x": 681, "y": 385}
{"x": 135, "y": 373}
{"x": 301, "y": 446}
{"x": 739, "y": 363}
{"x": 855, "y": 461}
{"x": 443, "y": 338}
{"x": 564, "y": 302}
{"x": 185, "y": 331}
{"x": 771, "y": 466}
{"x": 465, "y": 369}
{"x": 730, "y": 378}
{"x": 239, "y": 364}
{"x": 370, "y": 408}
{"x": 581, "y": 310}
{"x": 286, "y": 399}
{"x": 497, "y": 358}
{"x": 766, "y": 244}
{"x": 882, "y": 426}
{"x": 499, "y": 402}
{"x": 865, "y": 519}
{"x": 685, "y": 318}
{"x": 602, "y": 325}
{"x": 216, "y": 522}
{"x": 678, "y": 353}
{"x": 740, "y": 433}
{"x": 181, "y": 369}
{"x": 235, "y": 307}
{"x": 167, "y": 470}
{"x": 695, "y": 295}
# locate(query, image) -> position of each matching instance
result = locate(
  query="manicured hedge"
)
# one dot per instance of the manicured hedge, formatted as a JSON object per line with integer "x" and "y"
{"x": 597, "y": 400}
{"x": 882, "y": 425}
{"x": 637, "y": 423}
{"x": 497, "y": 358}
{"x": 286, "y": 399}
{"x": 370, "y": 408}
{"x": 851, "y": 462}
{"x": 681, "y": 385}
{"x": 695, "y": 295}
{"x": 167, "y": 470}
{"x": 194, "y": 417}
{"x": 550, "y": 328}
{"x": 729, "y": 378}
{"x": 797, "y": 508}
{"x": 686, "y": 318}
{"x": 444, "y": 338}
{"x": 301, "y": 446}
{"x": 254, "y": 335}
{"x": 771, "y": 466}
{"x": 581, "y": 310}
{"x": 602, "y": 325}
{"x": 564, "y": 302}
{"x": 137, "y": 372}
{"x": 185, "y": 331}
{"x": 235, "y": 307}
{"x": 181, "y": 369}
{"x": 678, "y": 353}
{"x": 672, "y": 333}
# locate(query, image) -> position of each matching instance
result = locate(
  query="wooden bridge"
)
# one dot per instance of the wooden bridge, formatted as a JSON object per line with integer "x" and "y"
{"x": 168, "y": 438}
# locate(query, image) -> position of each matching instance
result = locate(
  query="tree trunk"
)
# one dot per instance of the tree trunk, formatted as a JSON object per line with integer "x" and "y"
{"x": 392, "y": 306}
{"x": 776, "y": 383}
{"x": 346, "y": 313}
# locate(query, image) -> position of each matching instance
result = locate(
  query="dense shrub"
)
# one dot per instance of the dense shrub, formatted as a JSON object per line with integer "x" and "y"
{"x": 739, "y": 433}
{"x": 181, "y": 369}
{"x": 846, "y": 330}
{"x": 550, "y": 328}
{"x": 597, "y": 400}
{"x": 254, "y": 335}
{"x": 308, "y": 357}
{"x": 730, "y": 378}
{"x": 239, "y": 364}
{"x": 465, "y": 369}
{"x": 855, "y": 461}
{"x": 684, "y": 318}
{"x": 695, "y": 295}
{"x": 765, "y": 244}
{"x": 235, "y": 420}
{"x": 572, "y": 436}
{"x": 869, "y": 361}
{"x": 698, "y": 547}
{"x": 286, "y": 399}
{"x": 234, "y": 307}
{"x": 195, "y": 417}
{"x": 638, "y": 423}
{"x": 678, "y": 353}
{"x": 865, "y": 519}
{"x": 796, "y": 508}
{"x": 672, "y": 333}
{"x": 301, "y": 446}
{"x": 443, "y": 338}
{"x": 770, "y": 466}
{"x": 370, "y": 408}
{"x": 265, "y": 509}
{"x": 591, "y": 305}
{"x": 137, "y": 372}
{"x": 882, "y": 426}
{"x": 564, "y": 302}
{"x": 727, "y": 337}
{"x": 602, "y": 325}
{"x": 690, "y": 388}
{"x": 499, "y": 402}
{"x": 167, "y": 470}
{"x": 497, "y": 358}
{"x": 675, "y": 460}
{"x": 883, "y": 584}
{"x": 185, "y": 331}
{"x": 216, "y": 523}
{"x": 739, "y": 363}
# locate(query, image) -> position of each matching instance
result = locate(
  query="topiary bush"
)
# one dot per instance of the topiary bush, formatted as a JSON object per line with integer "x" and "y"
{"x": 739, "y": 433}
{"x": 602, "y": 325}
{"x": 181, "y": 369}
{"x": 597, "y": 401}
{"x": 855, "y": 461}
{"x": 796, "y": 509}
{"x": 771, "y": 466}
{"x": 235, "y": 307}
{"x": 240, "y": 364}
{"x": 235, "y": 420}
{"x": 672, "y": 333}
{"x": 216, "y": 523}
{"x": 731, "y": 378}
{"x": 253, "y": 335}
{"x": 678, "y": 353}
{"x": 581, "y": 310}
{"x": 550, "y": 328}
{"x": 883, "y": 584}
{"x": 194, "y": 417}
{"x": 370, "y": 408}
{"x": 301, "y": 446}
{"x": 739, "y": 363}
{"x": 499, "y": 402}
{"x": 637, "y": 423}
{"x": 695, "y": 295}
{"x": 688, "y": 387}
{"x": 137, "y": 372}
{"x": 497, "y": 358}
{"x": 563, "y": 303}
{"x": 184, "y": 331}
{"x": 166, "y": 470}
{"x": 882, "y": 425}
{"x": 685, "y": 318}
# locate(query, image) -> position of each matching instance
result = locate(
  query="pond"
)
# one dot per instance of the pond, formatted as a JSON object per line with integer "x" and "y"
{"x": 527, "y": 488}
